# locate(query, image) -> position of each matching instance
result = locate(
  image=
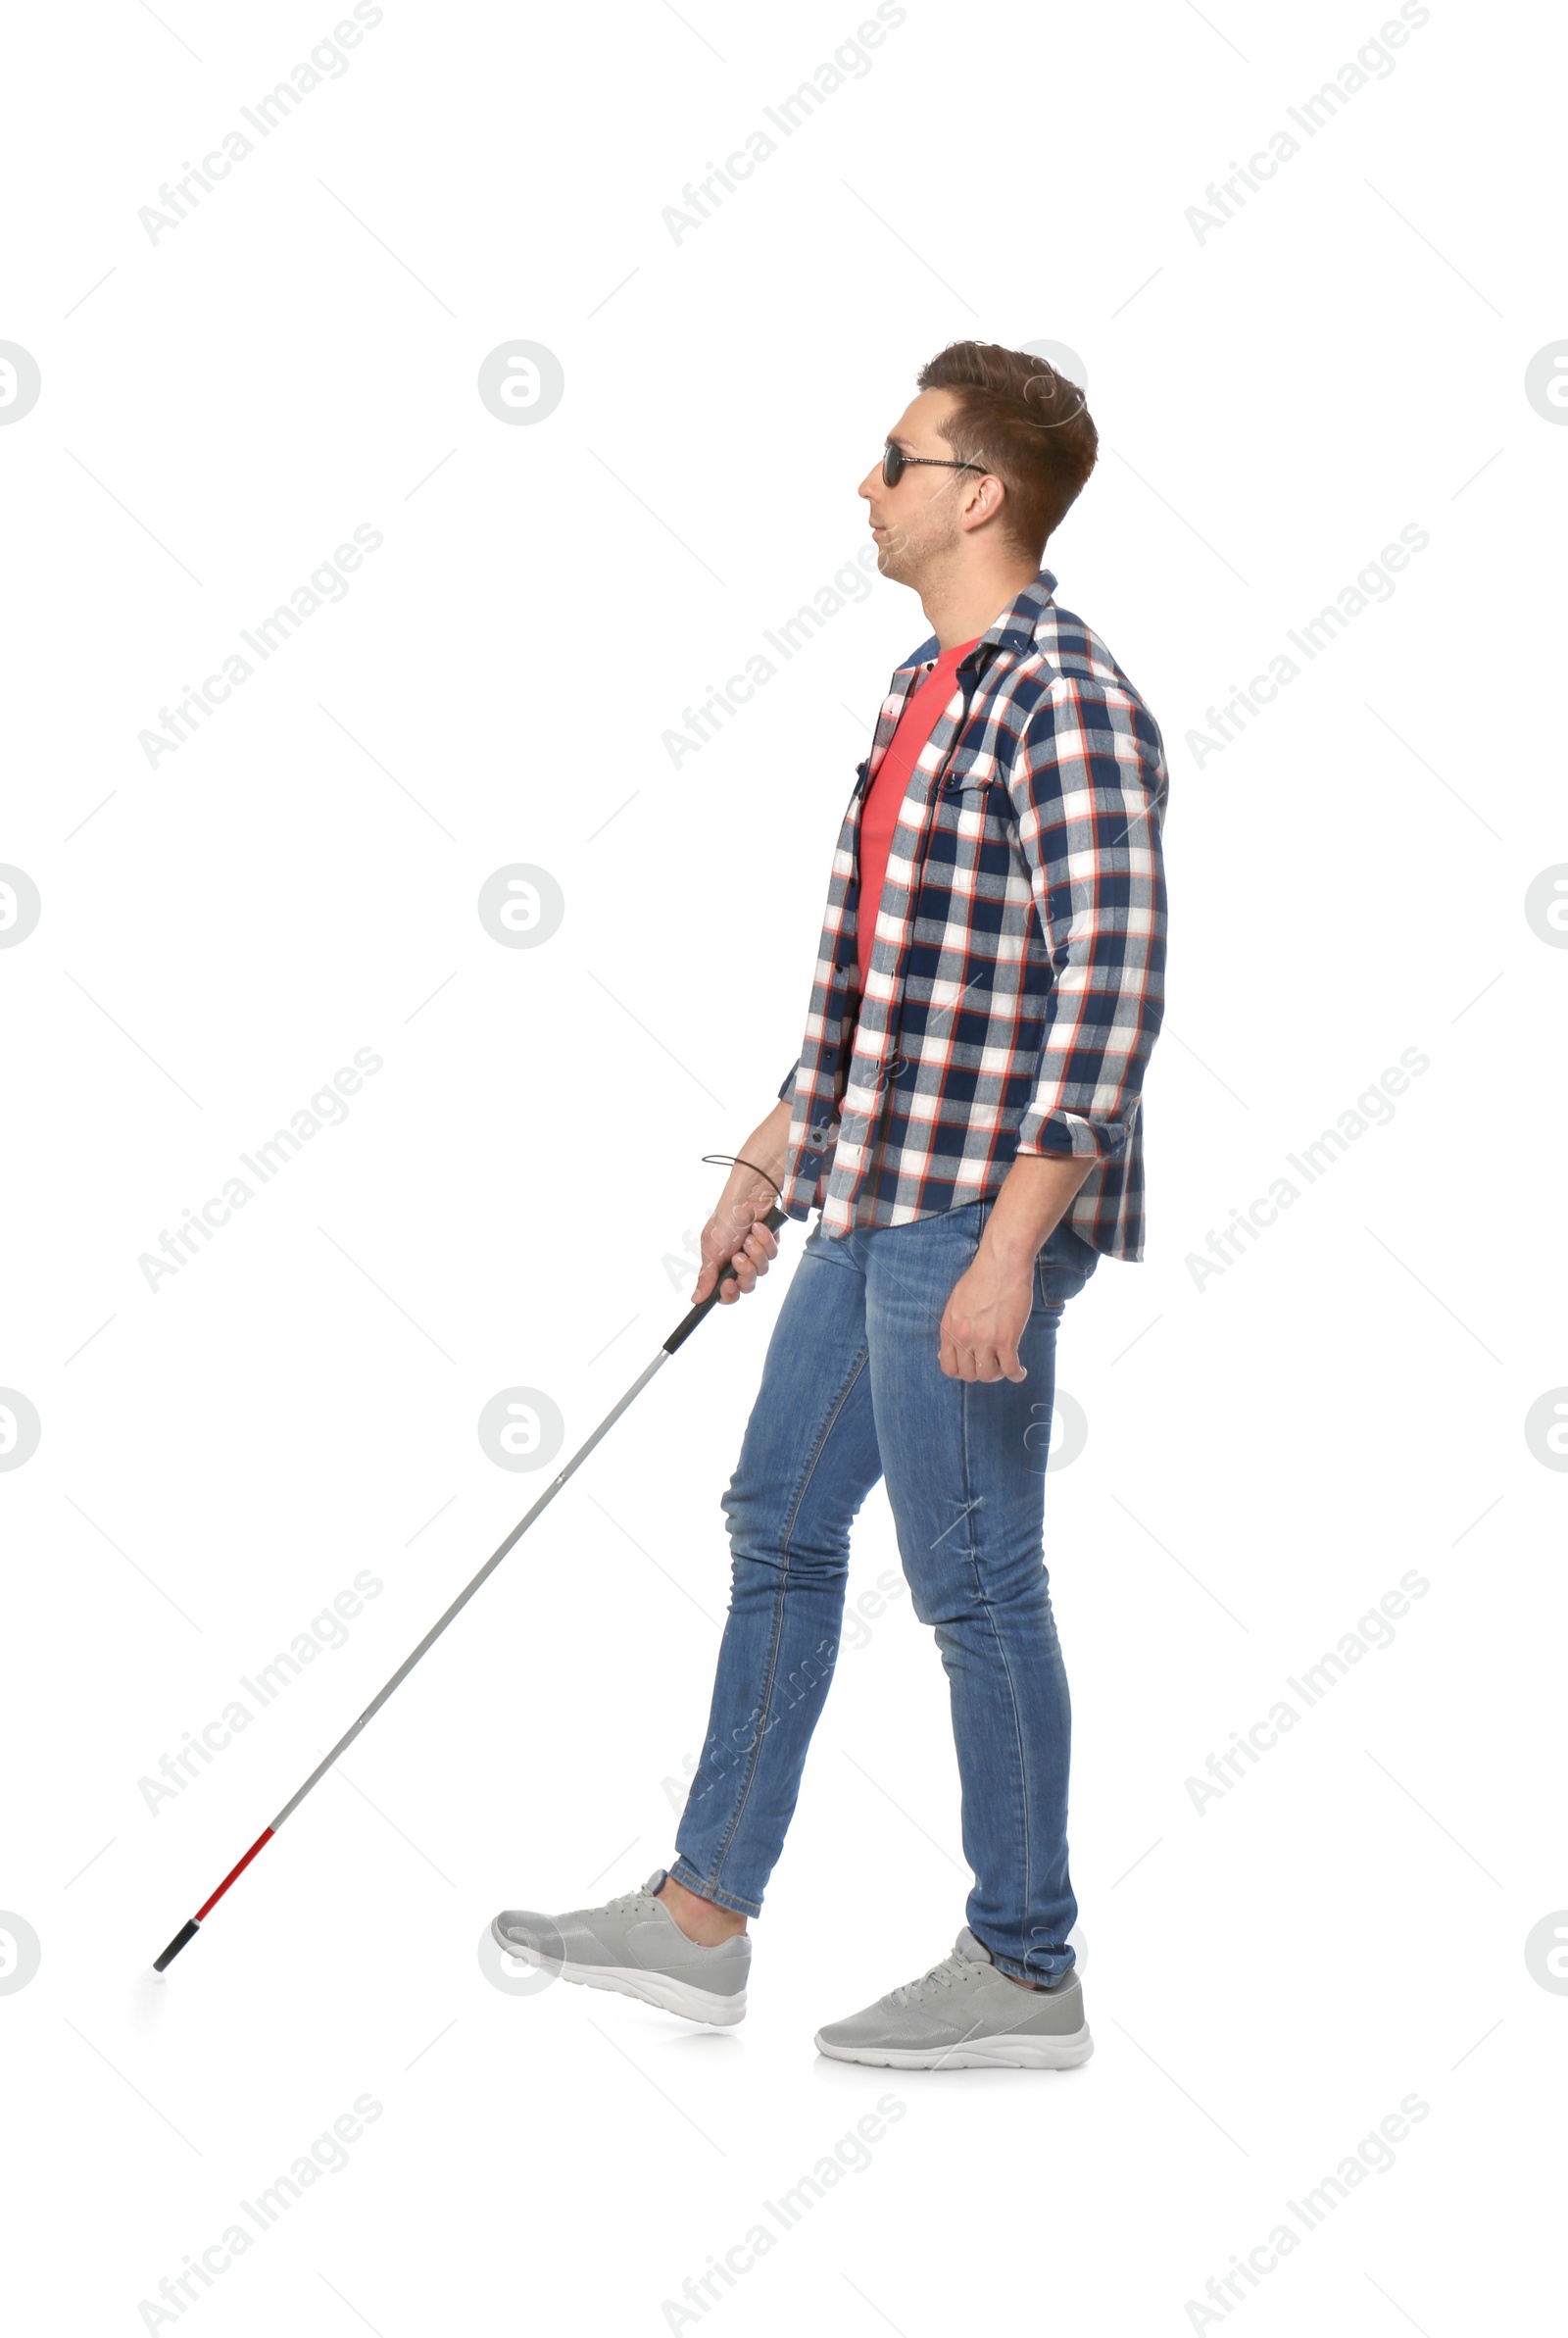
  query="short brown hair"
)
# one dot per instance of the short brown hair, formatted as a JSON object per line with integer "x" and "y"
{"x": 1022, "y": 420}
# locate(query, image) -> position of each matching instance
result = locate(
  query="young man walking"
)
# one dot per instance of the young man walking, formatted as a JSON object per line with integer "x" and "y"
{"x": 965, "y": 1116}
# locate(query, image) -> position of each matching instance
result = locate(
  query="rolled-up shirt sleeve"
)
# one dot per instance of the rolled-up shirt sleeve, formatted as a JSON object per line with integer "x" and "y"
{"x": 1088, "y": 787}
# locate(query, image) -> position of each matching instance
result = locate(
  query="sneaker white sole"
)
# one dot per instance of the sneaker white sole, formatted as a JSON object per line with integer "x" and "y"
{"x": 659, "y": 1989}
{"x": 976, "y": 2053}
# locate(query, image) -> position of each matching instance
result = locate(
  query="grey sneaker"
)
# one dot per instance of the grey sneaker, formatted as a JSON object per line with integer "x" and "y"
{"x": 965, "y": 2016}
{"x": 634, "y": 1944}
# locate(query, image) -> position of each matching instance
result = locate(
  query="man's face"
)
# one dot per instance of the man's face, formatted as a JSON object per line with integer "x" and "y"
{"x": 915, "y": 524}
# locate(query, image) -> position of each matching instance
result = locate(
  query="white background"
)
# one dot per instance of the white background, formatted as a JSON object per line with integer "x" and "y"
{"x": 220, "y": 1457}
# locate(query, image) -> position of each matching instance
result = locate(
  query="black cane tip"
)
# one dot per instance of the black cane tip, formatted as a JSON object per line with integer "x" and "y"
{"x": 175, "y": 1944}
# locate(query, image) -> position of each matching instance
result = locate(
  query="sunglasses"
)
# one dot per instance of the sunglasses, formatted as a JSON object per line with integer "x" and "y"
{"x": 895, "y": 463}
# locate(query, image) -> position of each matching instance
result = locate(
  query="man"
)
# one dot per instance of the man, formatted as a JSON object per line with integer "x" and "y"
{"x": 965, "y": 1116}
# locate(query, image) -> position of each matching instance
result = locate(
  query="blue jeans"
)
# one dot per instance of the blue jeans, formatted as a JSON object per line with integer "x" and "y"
{"x": 852, "y": 1391}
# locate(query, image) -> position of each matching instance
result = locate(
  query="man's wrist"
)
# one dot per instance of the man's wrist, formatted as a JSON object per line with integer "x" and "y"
{"x": 1036, "y": 1195}
{"x": 1011, "y": 1250}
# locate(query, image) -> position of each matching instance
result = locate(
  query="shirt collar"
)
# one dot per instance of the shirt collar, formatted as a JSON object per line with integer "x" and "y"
{"x": 1014, "y": 629}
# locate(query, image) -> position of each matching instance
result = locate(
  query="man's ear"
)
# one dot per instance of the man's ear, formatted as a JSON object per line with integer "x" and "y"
{"x": 985, "y": 499}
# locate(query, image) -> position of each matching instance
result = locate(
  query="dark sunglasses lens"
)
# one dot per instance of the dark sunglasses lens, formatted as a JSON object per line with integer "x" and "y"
{"x": 891, "y": 465}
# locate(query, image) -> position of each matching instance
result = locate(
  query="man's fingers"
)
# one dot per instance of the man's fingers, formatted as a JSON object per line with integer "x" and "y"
{"x": 744, "y": 1227}
{"x": 756, "y": 1248}
{"x": 965, "y": 1360}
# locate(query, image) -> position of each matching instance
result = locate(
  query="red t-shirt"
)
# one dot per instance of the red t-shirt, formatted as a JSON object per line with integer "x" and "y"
{"x": 879, "y": 814}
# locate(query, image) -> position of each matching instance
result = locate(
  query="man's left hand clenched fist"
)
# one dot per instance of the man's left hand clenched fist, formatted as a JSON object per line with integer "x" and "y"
{"x": 983, "y": 1320}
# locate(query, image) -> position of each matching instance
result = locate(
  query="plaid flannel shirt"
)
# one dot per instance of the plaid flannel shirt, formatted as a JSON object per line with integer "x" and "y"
{"x": 1017, "y": 974}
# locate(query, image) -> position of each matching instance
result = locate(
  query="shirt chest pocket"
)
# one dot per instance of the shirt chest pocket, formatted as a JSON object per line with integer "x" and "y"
{"x": 971, "y": 800}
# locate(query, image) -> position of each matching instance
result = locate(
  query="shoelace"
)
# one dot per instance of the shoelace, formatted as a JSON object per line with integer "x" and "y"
{"x": 945, "y": 1975}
